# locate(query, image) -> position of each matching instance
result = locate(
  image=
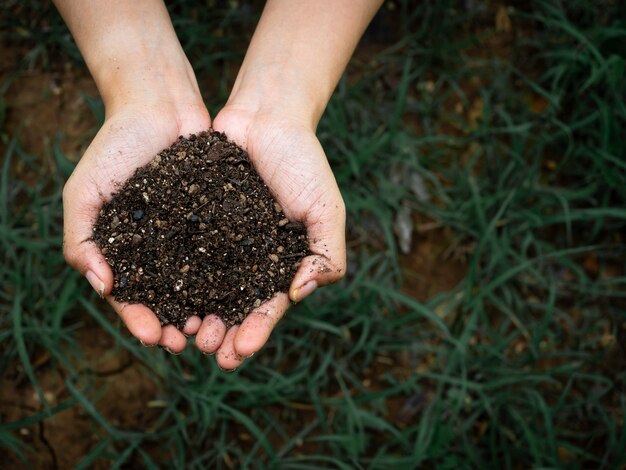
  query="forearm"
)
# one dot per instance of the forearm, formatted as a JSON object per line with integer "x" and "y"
{"x": 131, "y": 50}
{"x": 298, "y": 53}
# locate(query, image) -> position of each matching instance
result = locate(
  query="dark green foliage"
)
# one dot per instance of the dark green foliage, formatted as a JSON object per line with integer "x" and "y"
{"x": 510, "y": 369}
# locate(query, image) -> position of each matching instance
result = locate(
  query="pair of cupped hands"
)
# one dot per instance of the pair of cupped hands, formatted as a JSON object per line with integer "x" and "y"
{"x": 285, "y": 152}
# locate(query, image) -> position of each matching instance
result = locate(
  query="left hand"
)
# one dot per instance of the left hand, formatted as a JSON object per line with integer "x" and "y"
{"x": 286, "y": 153}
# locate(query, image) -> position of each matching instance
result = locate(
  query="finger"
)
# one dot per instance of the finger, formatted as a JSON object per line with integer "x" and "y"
{"x": 172, "y": 340}
{"x": 140, "y": 321}
{"x": 327, "y": 240}
{"x": 210, "y": 334}
{"x": 227, "y": 358}
{"x": 80, "y": 210}
{"x": 192, "y": 325}
{"x": 258, "y": 325}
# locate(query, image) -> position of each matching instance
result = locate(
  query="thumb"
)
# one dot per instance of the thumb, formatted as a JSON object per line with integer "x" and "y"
{"x": 327, "y": 241}
{"x": 81, "y": 205}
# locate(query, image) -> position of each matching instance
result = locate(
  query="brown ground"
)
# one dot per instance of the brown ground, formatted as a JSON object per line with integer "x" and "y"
{"x": 66, "y": 437}
{"x": 43, "y": 106}
{"x": 436, "y": 264}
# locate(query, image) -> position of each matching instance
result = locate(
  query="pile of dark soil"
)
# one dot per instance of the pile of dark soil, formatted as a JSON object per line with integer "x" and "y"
{"x": 197, "y": 232}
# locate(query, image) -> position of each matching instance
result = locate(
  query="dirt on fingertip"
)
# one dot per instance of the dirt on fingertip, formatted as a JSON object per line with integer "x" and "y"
{"x": 197, "y": 232}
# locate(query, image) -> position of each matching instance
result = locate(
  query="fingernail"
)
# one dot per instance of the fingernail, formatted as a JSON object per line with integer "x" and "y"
{"x": 165, "y": 348}
{"x": 304, "y": 290}
{"x": 208, "y": 353}
{"x": 146, "y": 345}
{"x": 96, "y": 283}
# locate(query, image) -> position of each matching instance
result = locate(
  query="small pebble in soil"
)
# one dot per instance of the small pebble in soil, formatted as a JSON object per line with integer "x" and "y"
{"x": 196, "y": 231}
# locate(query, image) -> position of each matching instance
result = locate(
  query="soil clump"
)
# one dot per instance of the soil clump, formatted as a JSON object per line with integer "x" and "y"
{"x": 196, "y": 232}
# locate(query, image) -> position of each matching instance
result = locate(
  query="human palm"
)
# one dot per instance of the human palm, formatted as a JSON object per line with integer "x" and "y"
{"x": 291, "y": 161}
{"x": 129, "y": 138}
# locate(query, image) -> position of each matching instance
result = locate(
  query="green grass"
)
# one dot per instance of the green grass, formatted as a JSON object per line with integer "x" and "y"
{"x": 509, "y": 369}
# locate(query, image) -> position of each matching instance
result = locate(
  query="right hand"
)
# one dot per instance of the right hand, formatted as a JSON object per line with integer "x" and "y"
{"x": 130, "y": 137}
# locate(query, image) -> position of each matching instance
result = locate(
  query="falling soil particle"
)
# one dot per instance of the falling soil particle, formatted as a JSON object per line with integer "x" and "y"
{"x": 197, "y": 232}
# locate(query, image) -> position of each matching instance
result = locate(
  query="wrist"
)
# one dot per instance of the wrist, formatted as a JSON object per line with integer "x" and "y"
{"x": 149, "y": 78}
{"x": 297, "y": 55}
{"x": 275, "y": 91}
{"x": 132, "y": 51}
